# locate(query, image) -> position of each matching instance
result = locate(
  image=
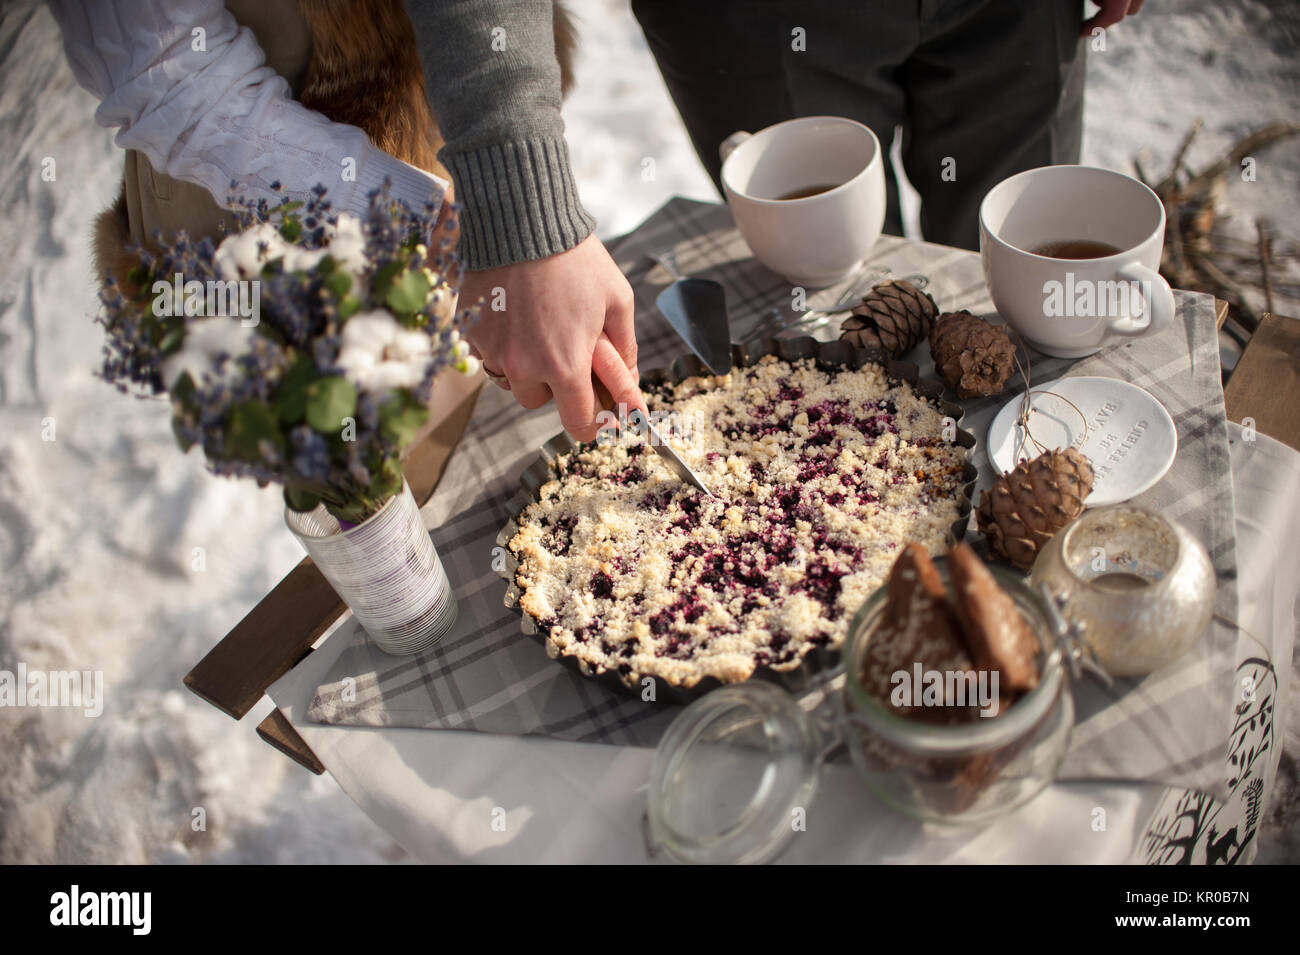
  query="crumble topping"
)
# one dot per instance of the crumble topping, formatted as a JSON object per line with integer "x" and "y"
{"x": 818, "y": 479}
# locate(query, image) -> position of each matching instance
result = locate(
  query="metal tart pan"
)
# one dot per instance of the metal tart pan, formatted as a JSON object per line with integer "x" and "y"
{"x": 830, "y": 356}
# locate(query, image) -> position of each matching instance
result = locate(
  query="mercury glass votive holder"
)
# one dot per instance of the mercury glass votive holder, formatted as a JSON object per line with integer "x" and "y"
{"x": 1141, "y": 587}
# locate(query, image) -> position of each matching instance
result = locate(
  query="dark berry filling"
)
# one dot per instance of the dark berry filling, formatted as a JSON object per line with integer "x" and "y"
{"x": 744, "y": 570}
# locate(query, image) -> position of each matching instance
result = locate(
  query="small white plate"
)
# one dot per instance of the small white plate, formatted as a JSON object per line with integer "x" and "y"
{"x": 1130, "y": 442}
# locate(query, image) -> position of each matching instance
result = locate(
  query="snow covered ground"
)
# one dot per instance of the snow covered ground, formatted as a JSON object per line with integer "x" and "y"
{"x": 118, "y": 554}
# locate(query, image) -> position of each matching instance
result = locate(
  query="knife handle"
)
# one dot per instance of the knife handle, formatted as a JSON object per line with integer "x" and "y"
{"x": 634, "y": 417}
{"x": 605, "y": 399}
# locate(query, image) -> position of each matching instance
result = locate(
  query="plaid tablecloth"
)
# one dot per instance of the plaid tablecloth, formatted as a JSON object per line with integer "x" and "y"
{"x": 1173, "y": 727}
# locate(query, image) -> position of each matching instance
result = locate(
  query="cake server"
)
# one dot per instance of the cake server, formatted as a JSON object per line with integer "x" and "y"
{"x": 697, "y": 311}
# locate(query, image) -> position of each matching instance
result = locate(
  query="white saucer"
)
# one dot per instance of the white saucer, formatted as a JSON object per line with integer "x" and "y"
{"x": 1130, "y": 441}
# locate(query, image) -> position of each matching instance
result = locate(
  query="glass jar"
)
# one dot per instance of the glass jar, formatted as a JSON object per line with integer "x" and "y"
{"x": 1139, "y": 586}
{"x": 729, "y": 773}
{"x": 738, "y": 766}
{"x": 385, "y": 569}
{"x": 968, "y": 772}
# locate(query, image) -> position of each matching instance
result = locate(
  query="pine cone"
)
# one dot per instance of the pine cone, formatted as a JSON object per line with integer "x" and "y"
{"x": 1026, "y": 506}
{"x": 894, "y": 317}
{"x": 971, "y": 355}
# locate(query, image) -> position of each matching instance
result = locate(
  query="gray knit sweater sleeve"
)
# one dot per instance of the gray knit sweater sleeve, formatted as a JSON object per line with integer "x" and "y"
{"x": 494, "y": 83}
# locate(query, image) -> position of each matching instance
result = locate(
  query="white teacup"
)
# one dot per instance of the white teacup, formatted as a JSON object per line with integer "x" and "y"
{"x": 1067, "y": 306}
{"x": 819, "y": 239}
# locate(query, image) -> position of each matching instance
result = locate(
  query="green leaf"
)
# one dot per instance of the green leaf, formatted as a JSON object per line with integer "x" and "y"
{"x": 383, "y": 278}
{"x": 139, "y": 277}
{"x": 291, "y": 229}
{"x": 298, "y": 498}
{"x": 339, "y": 283}
{"x": 349, "y": 307}
{"x": 401, "y": 417}
{"x": 326, "y": 265}
{"x": 354, "y": 512}
{"x": 182, "y": 395}
{"x": 171, "y": 341}
{"x": 291, "y": 396}
{"x": 329, "y": 401}
{"x": 409, "y": 291}
{"x": 250, "y": 423}
{"x": 184, "y": 444}
{"x": 182, "y": 390}
{"x": 388, "y": 480}
{"x": 173, "y": 334}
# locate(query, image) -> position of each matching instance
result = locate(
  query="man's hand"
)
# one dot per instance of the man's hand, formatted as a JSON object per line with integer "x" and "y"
{"x": 543, "y": 322}
{"x": 1111, "y": 12}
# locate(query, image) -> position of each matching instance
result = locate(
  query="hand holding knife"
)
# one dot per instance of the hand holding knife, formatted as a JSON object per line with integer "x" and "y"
{"x": 604, "y": 354}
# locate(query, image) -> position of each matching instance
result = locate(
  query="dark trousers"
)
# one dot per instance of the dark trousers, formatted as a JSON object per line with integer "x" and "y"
{"x": 982, "y": 89}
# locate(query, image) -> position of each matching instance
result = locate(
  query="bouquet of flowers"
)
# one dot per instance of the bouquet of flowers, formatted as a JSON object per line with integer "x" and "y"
{"x": 301, "y": 350}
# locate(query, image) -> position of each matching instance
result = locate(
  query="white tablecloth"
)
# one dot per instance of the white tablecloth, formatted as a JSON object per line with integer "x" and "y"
{"x": 452, "y": 796}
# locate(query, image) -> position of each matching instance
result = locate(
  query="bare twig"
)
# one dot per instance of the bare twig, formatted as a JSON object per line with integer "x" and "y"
{"x": 1260, "y": 138}
{"x": 1261, "y": 227}
{"x": 1170, "y": 182}
{"x": 1279, "y": 244}
{"x": 1278, "y": 254}
{"x": 1200, "y": 255}
{"x": 1141, "y": 173}
{"x": 1180, "y": 277}
{"x": 1229, "y": 289}
{"x": 1206, "y": 214}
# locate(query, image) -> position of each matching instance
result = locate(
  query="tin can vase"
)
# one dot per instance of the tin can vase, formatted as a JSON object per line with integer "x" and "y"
{"x": 385, "y": 569}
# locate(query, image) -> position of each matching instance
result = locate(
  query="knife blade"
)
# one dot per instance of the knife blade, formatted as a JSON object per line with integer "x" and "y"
{"x": 665, "y": 451}
{"x": 654, "y": 438}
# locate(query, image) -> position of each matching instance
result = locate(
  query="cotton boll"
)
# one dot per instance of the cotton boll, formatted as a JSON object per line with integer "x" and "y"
{"x": 244, "y": 254}
{"x": 410, "y": 344}
{"x": 296, "y": 259}
{"x": 356, "y": 362}
{"x": 378, "y": 354}
{"x": 369, "y": 330}
{"x": 347, "y": 243}
{"x": 239, "y": 255}
{"x": 205, "y": 340}
{"x": 387, "y": 375}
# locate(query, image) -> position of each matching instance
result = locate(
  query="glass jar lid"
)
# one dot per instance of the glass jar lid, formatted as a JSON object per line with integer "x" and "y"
{"x": 732, "y": 776}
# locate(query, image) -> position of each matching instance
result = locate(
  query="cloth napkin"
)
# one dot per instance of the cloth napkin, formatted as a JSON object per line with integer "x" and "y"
{"x": 1171, "y": 727}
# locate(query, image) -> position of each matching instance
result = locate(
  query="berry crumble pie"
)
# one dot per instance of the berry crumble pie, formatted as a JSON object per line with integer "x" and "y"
{"x": 818, "y": 479}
